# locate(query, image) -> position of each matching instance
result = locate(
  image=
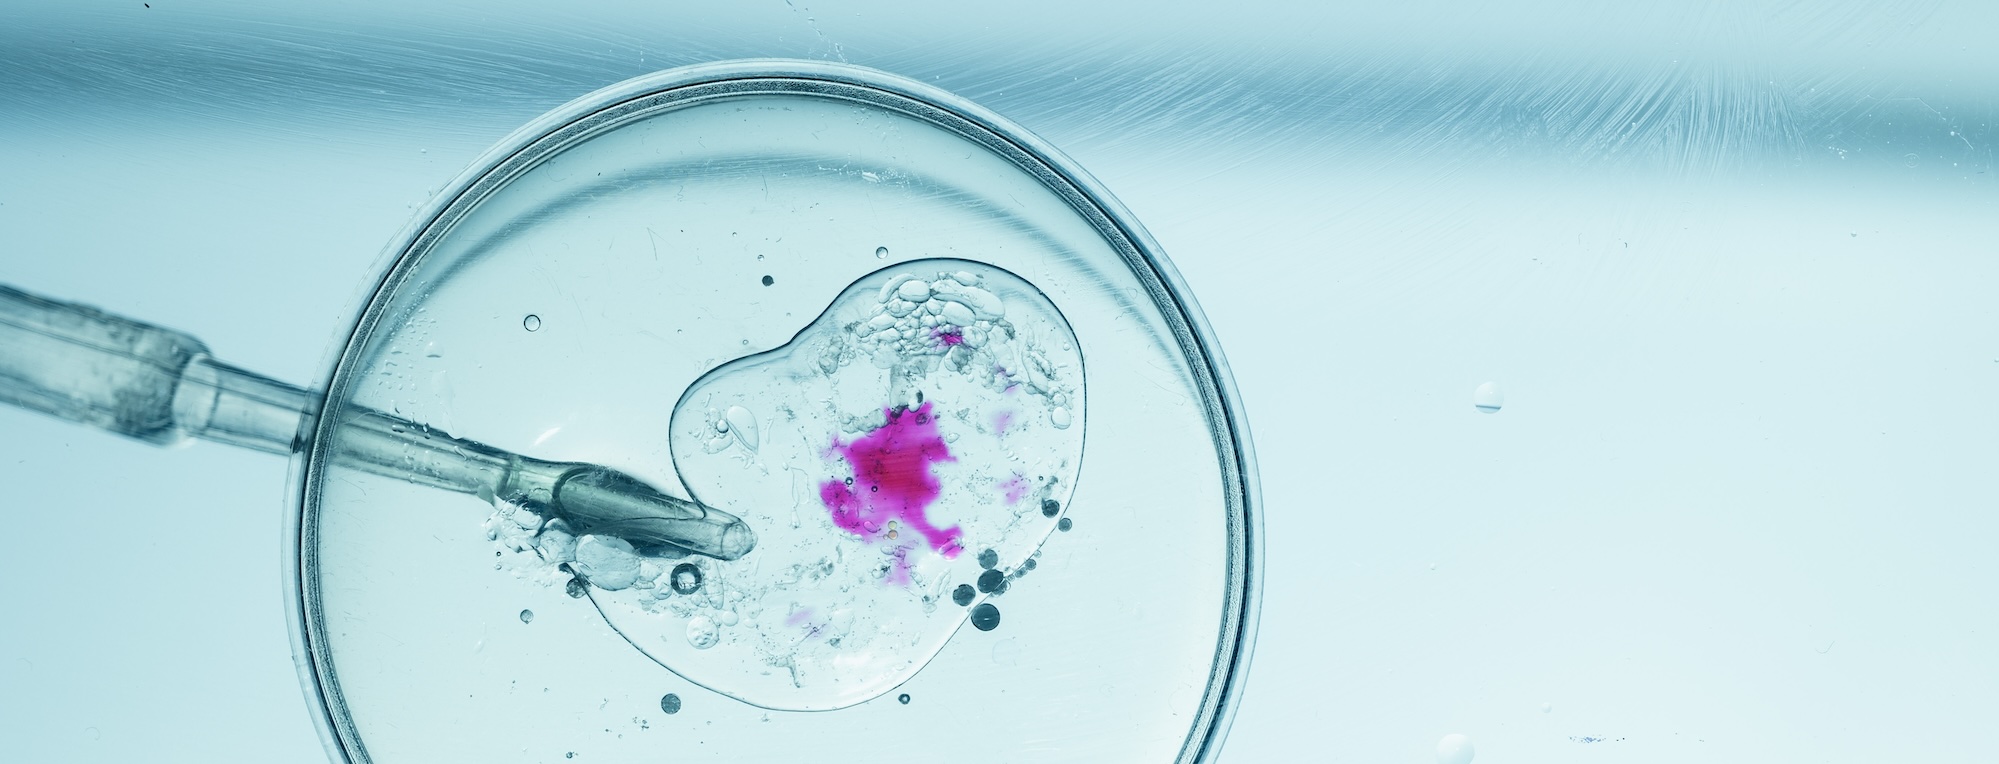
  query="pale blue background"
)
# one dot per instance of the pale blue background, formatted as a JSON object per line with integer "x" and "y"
{"x": 1733, "y": 263}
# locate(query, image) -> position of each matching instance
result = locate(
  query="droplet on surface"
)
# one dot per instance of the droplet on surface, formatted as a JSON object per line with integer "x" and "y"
{"x": 1454, "y": 749}
{"x": 1065, "y": 524}
{"x": 1910, "y": 160}
{"x": 989, "y": 559}
{"x": 992, "y": 582}
{"x": 986, "y": 617}
{"x": 531, "y": 323}
{"x": 527, "y": 616}
{"x": 669, "y": 703}
{"x": 702, "y": 632}
{"x": 1050, "y": 507}
{"x": 881, "y": 253}
{"x": 903, "y": 698}
{"x": 769, "y": 281}
{"x": 1488, "y": 398}
{"x": 963, "y": 594}
{"x": 576, "y": 588}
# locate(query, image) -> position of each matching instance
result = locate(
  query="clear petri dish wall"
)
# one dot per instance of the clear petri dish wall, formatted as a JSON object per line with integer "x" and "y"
{"x": 746, "y": 284}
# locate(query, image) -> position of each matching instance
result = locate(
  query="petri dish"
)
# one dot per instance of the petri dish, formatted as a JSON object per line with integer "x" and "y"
{"x": 1004, "y": 496}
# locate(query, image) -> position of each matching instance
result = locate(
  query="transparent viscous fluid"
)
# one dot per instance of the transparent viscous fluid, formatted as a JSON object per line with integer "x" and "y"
{"x": 660, "y": 350}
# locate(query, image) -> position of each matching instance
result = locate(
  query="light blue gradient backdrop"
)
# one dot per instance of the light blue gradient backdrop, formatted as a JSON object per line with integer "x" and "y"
{"x": 1734, "y": 264}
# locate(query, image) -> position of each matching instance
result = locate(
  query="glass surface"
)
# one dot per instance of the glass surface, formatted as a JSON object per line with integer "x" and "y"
{"x": 725, "y": 295}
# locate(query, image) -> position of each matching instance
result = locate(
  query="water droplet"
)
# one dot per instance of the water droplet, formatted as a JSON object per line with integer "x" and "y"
{"x": 1065, "y": 524}
{"x": 903, "y": 698}
{"x": 527, "y": 616}
{"x": 963, "y": 594}
{"x": 881, "y": 253}
{"x": 985, "y": 617}
{"x": 531, "y": 323}
{"x": 1454, "y": 749}
{"x": 702, "y": 633}
{"x": 686, "y": 578}
{"x": 669, "y": 703}
{"x": 1910, "y": 160}
{"x": 1488, "y": 398}
{"x": 769, "y": 281}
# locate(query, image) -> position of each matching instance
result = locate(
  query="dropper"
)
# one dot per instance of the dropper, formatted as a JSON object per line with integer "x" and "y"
{"x": 160, "y": 386}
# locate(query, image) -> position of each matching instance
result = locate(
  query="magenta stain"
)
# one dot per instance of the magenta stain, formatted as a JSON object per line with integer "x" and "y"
{"x": 799, "y": 617}
{"x": 1002, "y": 421}
{"x": 949, "y": 335}
{"x": 1014, "y": 488}
{"x": 892, "y": 481}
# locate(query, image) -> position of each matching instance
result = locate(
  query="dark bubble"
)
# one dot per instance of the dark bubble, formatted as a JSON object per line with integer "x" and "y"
{"x": 903, "y": 698}
{"x": 527, "y": 616}
{"x": 1030, "y": 564}
{"x": 1064, "y": 525}
{"x": 985, "y": 617}
{"x": 850, "y": 481}
{"x": 670, "y": 703}
{"x": 686, "y": 578}
{"x": 988, "y": 559}
{"x": 963, "y": 594}
{"x": 769, "y": 281}
{"x": 992, "y": 582}
{"x": 575, "y": 587}
{"x": 1050, "y": 507}
{"x": 874, "y": 488}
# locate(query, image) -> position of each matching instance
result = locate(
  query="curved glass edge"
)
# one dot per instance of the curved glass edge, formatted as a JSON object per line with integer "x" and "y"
{"x": 526, "y": 146}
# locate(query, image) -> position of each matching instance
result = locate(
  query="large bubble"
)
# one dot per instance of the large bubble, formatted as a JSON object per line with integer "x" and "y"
{"x": 929, "y": 421}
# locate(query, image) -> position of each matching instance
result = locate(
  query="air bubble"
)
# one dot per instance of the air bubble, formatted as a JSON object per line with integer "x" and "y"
{"x": 881, "y": 253}
{"x": 1050, "y": 507}
{"x": 575, "y": 588}
{"x": 1454, "y": 749}
{"x": 963, "y": 594}
{"x": 992, "y": 582}
{"x": 1910, "y": 160}
{"x": 903, "y": 698}
{"x": 986, "y": 617}
{"x": 1488, "y": 398}
{"x": 669, "y": 704}
{"x": 989, "y": 559}
{"x": 769, "y": 281}
{"x": 686, "y": 578}
{"x": 527, "y": 616}
{"x": 531, "y": 323}
{"x": 1065, "y": 525}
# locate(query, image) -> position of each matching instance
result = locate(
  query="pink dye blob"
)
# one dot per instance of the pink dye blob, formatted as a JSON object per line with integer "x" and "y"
{"x": 1014, "y": 488}
{"x": 892, "y": 481}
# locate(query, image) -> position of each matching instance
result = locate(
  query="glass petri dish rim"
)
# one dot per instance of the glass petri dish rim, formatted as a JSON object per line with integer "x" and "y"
{"x": 647, "y": 95}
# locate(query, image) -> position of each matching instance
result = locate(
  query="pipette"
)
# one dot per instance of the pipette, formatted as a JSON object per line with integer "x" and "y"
{"x": 160, "y": 386}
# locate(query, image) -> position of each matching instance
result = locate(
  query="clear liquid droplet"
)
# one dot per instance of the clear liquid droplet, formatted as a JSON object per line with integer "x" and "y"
{"x": 881, "y": 253}
{"x": 1488, "y": 398}
{"x": 531, "y": 323}
{"x": 1454, "y": 749}
{"x": 527, "y": 616}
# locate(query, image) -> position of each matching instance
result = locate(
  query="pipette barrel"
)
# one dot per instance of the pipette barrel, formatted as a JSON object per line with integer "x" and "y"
{"x": 77, "y": 363}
